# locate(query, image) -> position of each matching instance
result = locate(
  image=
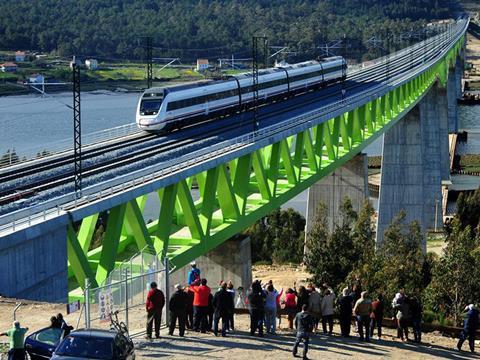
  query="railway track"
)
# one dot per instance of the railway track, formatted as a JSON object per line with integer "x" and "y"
{"x": 15, "y": 193}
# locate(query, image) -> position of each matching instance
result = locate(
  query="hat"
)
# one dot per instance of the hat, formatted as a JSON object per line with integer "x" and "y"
{"x": 178, "y": 287}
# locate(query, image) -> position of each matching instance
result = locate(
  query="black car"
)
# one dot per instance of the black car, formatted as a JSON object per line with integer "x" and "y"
{"x": 41, "y": 344}
{"x": 95, "y": 344}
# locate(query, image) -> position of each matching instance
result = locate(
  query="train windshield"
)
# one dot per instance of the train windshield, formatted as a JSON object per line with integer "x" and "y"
{"x": 150, "y": 106}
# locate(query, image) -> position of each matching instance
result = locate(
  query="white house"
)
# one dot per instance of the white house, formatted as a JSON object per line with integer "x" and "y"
{"x": 91, "y": 64}
{"x": 36, "y": 79}
{"x": 8, "y": 67}
{"x": 20, "y": 56}
{"x": 202, "y": 64}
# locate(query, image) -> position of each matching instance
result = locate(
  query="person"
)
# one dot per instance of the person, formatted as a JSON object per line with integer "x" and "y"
{"x": 400, "y": 305}
{"x": 271, "y": 309}
{"x": 178, "y": 310}
{"x": 327, "y": 310}
{"x": 241, "y": 303}
{"x": 190, "y": 296}
{"x": 345, "y": 303}
{"x": 315, "y": 306}
{"x": 302, "y": 298}
{"x": 362, "y": 311}
{"x": 256, "y": 302}
{"x": 63, "y": 325}
{"x": 291, "y": 306}
{"x": 154, "y": 306}
{"x": 416, "y": 313}
{"x": 304, "y": 325}
{"x": 470, "y": 327}
{"x": 193, "y": 274}
{"x": 201, "y": 305}
{"x": 376, "y": 317}
{"x": 17, "y": 339}
{"x": 223, "y": 304}
{"x": 54, "y": 323}
{"x": 231, "y": 291}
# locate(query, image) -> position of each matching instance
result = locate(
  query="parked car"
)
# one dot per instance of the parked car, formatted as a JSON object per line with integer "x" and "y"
{"x": 41, "y": 344}
{"x": 95, "y": 344}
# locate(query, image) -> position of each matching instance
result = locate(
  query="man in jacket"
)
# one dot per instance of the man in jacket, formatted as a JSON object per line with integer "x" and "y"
{"x": 154, "y": 305}
{"x": 178, "y": 310}
{"x": 223, "y": 305}
{"x": 327, "y": 310}
{"x": 470, "y": 326}
{"x": 193, "y": 274}
{"x": 362, "y": 311}
{"x": 304, "y": 325}
{"x": 200, "y": 305}
{"x": 315, "y": 306}
{"x": 345, "y": 303}
{"x": 376, "y": 317}
{"x": 16, "y": 335}
{"x": 256, "y": 302}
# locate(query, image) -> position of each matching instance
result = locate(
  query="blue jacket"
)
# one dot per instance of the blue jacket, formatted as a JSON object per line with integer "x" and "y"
{"x": 193, "y": 275}
{"x": 471, "y": 321}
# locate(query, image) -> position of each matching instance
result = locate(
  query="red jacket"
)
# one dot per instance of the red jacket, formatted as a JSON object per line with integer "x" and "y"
{"x": 201, "y": 295}
{"x": 155, "y": 300}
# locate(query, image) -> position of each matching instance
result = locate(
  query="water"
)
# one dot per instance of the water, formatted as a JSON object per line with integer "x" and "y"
{"x": 30, "y": 122}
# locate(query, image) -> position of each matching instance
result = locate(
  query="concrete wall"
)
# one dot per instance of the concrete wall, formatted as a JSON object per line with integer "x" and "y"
{"x": 229, "y": 261}
{"x": 33, "y": 263}
{"x": 452, "y": 93}
{"x": 411, "y": 171}
{"x": 350, "y": 180}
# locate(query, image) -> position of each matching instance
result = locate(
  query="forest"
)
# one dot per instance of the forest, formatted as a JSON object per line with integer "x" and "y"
{"x": 204, "y": 28}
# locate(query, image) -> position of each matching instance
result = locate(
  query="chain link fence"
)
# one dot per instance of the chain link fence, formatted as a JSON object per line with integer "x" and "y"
{"x": 125, "y": 291}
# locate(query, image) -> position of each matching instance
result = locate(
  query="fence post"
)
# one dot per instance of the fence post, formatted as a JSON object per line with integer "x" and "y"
{"x": 167, "y": 290}
{"x": 87, "y": 303}
{"x": 126, "y": 297}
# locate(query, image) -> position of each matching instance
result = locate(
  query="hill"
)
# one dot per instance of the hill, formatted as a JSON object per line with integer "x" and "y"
{"x": 208, "y": 28}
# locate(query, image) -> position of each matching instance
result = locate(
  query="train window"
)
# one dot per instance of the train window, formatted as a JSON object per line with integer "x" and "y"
{"x": 150, "y": 107}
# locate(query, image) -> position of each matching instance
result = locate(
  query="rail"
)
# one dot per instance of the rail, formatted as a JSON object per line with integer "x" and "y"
{"x": 52, "y": 208}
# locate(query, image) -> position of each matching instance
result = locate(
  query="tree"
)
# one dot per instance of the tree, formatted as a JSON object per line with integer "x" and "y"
{"x": 455, "y": 276}
{"x": 330, "y": 257}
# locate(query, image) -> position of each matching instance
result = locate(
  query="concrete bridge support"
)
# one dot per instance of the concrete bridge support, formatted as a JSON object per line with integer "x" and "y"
{"x": 351, "y": 180}
{"x": 33, "y": 263}
{"x": 411, "y": 171}
{"x": 231, "y": 260}
{"x": 454, "y": 91}
{"x": 442, "y": 108}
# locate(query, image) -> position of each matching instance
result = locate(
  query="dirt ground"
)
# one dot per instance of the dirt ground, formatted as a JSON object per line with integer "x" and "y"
{"x": 240, "y": 345}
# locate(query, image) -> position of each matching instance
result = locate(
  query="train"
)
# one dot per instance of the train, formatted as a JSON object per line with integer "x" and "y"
{"x": 162, "y": 109}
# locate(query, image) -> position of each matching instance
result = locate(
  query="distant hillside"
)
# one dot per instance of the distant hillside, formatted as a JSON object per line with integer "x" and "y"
{"x": 112, "y": 28}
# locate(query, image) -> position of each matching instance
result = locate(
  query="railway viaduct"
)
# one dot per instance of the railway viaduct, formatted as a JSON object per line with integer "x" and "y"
{"x": 409, "y": 97}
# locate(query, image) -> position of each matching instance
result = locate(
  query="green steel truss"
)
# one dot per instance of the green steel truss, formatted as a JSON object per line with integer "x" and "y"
{"x": 236, "y": 194}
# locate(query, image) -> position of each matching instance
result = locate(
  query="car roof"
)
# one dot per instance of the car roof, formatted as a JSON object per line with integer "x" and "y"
{"x": 99, "y": 333}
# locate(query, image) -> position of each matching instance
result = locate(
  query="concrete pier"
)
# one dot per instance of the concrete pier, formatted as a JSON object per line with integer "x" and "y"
{"x": 411, "y": 172}
{"x": 351, "y": 180}
{"x": 231, "y": 260}
{"x": 33, "y": 263}
{"x": 452, "y": 94}
{"x": 442, "y": 108}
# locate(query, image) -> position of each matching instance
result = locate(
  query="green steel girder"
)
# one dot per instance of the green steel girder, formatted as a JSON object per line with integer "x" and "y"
{"x": 236, "y": 194}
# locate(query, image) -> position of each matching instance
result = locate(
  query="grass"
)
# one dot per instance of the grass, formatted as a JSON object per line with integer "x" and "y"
{"x": 470, "y": 162}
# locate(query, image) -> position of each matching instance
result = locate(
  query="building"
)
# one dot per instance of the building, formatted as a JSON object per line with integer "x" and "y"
{"x": 202, "y": 64}
{"x": 8, "y": 67}
{"x": 36, "y": 79}
{"x": 91, "y": 64}
{"x": 20, "y": 56}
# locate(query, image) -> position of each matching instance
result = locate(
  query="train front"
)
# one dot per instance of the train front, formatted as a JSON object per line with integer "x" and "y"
{"x": 149, "y": 110}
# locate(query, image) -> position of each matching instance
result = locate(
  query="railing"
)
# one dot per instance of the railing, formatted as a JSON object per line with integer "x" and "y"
{"x": 125, "y": 291}
{"x": 289, "y": 127}
{"x": 62, "y": 146}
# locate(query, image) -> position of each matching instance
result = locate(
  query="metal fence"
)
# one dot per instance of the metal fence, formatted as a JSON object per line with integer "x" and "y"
{"x": 125, "y": 290}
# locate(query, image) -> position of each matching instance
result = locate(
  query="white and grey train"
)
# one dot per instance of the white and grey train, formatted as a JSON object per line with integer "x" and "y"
{"x": 162, "y": 109}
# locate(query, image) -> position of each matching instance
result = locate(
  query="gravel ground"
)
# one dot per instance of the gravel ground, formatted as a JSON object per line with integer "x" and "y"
{"x": 240, "y": 345}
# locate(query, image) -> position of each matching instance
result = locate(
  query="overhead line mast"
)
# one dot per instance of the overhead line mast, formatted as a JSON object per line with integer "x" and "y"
{"x": 255, "y": 56}
{"x": 77, "y": 130}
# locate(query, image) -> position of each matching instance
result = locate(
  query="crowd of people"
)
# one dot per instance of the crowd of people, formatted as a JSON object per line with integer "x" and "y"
{"x": 200, "y": 309}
